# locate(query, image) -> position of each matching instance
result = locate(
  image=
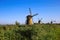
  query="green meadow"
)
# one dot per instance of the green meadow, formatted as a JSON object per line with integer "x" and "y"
{"x": 30, "y": 32}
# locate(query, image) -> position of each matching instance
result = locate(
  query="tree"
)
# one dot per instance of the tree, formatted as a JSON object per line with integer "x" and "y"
{"x": 17, "y": 23}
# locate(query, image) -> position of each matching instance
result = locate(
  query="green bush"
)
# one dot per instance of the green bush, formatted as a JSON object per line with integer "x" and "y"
{"x": 33, "y": 32}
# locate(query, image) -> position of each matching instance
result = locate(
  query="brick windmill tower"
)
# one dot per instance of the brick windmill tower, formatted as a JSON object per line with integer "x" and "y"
{"x": 29, "y": 18}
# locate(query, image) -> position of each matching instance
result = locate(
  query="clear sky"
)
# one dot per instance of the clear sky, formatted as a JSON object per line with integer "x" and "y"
{"x": 12, "y": 10}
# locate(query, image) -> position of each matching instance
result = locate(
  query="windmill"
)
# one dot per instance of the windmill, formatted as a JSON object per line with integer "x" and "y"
{"x": 29, "y": 18}
{"x": 39, "y": 20}
{"x": 52, "y": 22}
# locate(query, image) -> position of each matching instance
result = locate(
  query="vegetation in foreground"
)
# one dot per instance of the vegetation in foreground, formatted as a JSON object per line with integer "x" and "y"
{"x": 27, "y": 32}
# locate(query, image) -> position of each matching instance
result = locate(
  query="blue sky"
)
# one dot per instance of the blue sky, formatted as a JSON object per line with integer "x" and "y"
{"x": 12, "y": 10}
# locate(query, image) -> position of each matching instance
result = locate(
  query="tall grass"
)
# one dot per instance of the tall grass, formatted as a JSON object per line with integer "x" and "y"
{"x": 33, "y": 32}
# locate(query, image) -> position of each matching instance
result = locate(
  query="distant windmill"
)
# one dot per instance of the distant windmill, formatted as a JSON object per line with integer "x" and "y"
{"x": 39, "y": 20}
{"x": 52, "y": 22}
{"x": 29, "y": 18}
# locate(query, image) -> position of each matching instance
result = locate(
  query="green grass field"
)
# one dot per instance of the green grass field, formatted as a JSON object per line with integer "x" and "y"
{"x": 27, "y": 32}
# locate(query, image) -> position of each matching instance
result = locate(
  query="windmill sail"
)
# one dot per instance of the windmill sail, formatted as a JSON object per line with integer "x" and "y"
{"x": 34, "y": 15}
{"x": 30, "y": 11}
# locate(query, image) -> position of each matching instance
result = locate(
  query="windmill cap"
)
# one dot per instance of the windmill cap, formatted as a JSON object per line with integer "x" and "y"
{"x": 29, "y": 16}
